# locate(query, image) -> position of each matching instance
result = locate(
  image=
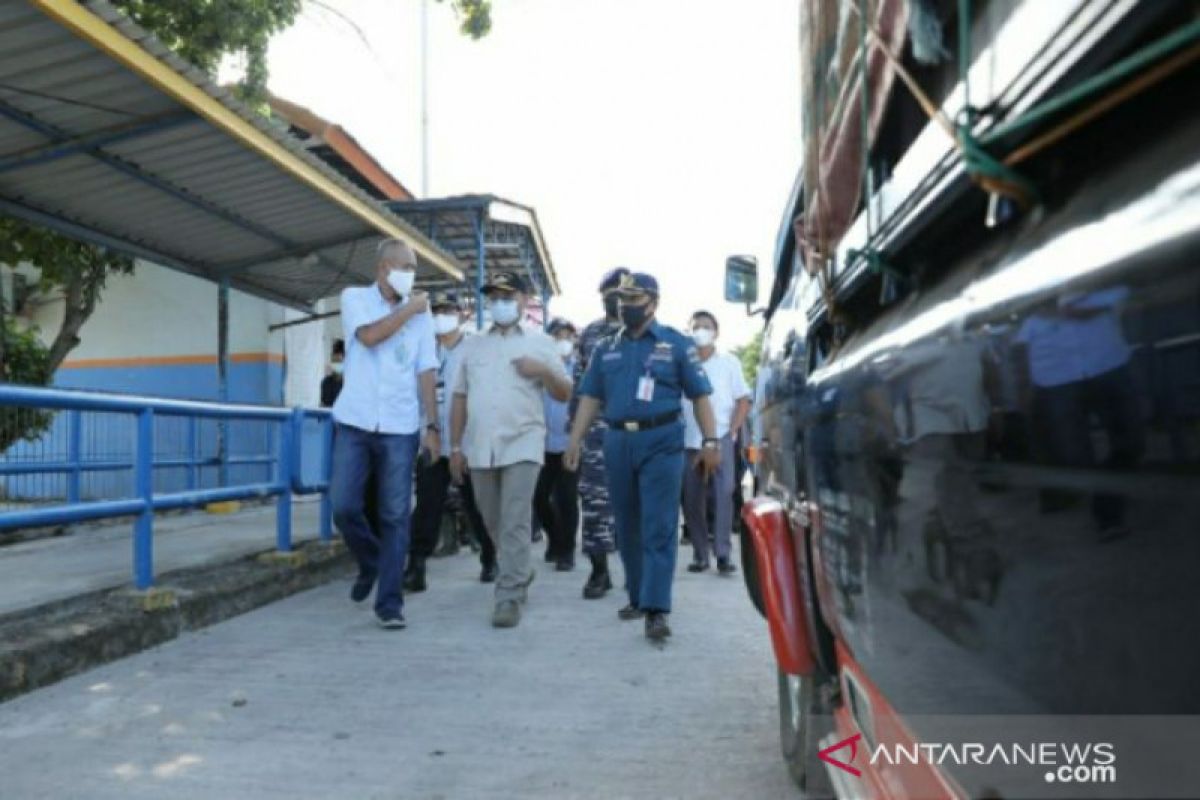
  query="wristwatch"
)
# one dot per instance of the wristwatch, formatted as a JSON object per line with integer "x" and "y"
{"x": 433, "y": 426}
{"x": 711, "y": 444}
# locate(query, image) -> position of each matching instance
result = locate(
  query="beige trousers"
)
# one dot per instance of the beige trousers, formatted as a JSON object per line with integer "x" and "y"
{"x": 505, "y": 499}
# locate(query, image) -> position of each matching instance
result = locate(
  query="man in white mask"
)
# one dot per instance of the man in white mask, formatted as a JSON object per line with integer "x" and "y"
{"x": 731, "y": 404}
{"x": 433, "y": 477}
{"x": 498, "y": 430}
{"x": 390, "y": 377}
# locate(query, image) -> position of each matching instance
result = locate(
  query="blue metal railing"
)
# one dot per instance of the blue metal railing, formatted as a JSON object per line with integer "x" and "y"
{"x": 294, "y": 437}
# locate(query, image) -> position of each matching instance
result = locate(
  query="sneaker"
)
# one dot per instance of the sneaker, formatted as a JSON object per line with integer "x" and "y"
{"x": 362, "y": 587}
{"x": 524, "y": 587}
{"x": 657, "y": 628}
{"x": 507, "y": 614}
{"x": 488, "y": 573}
{"x": 391, "y": 622}
{"x": 597, "y": 585}
{"x": 725, "y": 566}
{"x": 698, "y": 566}
{"x": 630, "y": 612}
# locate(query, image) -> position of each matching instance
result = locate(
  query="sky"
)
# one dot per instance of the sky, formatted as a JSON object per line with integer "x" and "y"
{"x": 662, "y": 135}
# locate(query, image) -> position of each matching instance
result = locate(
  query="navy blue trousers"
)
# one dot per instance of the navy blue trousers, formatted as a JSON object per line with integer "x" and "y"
{"x": 645, "y": 473}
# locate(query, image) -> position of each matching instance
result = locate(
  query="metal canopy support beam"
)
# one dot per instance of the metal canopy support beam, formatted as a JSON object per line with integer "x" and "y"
{"x": 223, "y": 377}
{"x": 57, "y": 136}
{"x": 300, "y": 251}
{"x": 70, "y": 147}
{"x": 304, "y": 320}
{"x": 87, "y": 234}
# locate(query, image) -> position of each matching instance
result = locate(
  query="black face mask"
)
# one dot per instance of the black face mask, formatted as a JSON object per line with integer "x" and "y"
{"x": 634, "y": 316}
{"x": 610, "y": 307}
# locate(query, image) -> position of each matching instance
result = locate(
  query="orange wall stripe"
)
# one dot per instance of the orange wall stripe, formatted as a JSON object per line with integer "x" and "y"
{"x": 170, "y": 361}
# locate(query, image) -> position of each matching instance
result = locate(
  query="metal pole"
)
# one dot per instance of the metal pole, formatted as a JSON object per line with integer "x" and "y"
{"x": 480, "y": 270}
{"x": 193, "y": 442}
{"x": 425, "y": 98}
{"x": 74, "y": 454}
{"x": 327, "y": 435}
{"x": 288, "y": 435}
{"x": 143, "y": 526}
{"x": 223, "y": 378}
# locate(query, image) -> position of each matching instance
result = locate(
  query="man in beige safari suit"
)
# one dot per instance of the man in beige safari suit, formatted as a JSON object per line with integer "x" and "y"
{"x": 498, "y": 430}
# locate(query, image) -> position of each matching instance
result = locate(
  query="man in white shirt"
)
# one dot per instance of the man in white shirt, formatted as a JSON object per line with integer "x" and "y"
{"x": 731, "y": 404}
{"x": 498, "y": 430}
{"x": 390, "y": 374}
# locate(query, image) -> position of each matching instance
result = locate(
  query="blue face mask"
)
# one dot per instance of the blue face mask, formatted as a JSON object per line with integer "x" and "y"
{"x": 504, "y": 312}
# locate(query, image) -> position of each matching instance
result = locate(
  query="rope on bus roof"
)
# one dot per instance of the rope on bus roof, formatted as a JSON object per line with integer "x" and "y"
{"x": 995, "y": 173}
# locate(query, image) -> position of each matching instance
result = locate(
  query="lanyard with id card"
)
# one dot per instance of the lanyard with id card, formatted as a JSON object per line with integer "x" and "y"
{"x": 645, "y": 387}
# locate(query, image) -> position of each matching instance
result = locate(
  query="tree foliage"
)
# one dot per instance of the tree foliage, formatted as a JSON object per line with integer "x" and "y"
{"x": 475, "y": 16}
{"x": 205, "y": 31}
{"x": 749, "y": 354}
{"x": 78, "y": 270}
{"x": 24, "y": 360}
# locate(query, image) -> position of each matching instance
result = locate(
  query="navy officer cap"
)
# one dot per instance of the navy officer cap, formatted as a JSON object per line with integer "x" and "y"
{"x": 506, "y": 281}
{"x": 612, "y": 278}
{"x": 445, "y": 299}
{"x": 558, "y": 324}
{"x": 638, "y": 283}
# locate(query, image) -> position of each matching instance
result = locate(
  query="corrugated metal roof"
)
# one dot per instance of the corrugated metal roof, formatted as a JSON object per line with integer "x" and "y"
{"x": 512, "y": 235}
{"x": 98, "y": 141}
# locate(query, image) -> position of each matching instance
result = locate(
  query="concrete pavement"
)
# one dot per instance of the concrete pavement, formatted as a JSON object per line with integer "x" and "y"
{"x": 101, "y": 557}
{"x": 307, "y": 698}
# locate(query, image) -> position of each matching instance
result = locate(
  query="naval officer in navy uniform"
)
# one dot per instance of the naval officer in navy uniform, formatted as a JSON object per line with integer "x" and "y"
{"x": 639, "y": 377}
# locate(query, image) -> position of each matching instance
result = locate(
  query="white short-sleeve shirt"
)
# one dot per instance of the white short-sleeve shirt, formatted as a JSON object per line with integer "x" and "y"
{"x": 381, "y": 390}
{"x": 724, "y": 372}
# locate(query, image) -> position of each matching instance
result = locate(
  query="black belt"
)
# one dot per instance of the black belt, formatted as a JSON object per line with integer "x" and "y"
{"x": 635, "y": 425}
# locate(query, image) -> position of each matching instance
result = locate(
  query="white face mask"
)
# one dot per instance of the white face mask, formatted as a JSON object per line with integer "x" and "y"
{"x": 504, "y": 312}
{"x": 402, "y": 281}
{"x": 445, "y": 323}
{"x": 566, "y": 347}
{"x": 704, "y": 337}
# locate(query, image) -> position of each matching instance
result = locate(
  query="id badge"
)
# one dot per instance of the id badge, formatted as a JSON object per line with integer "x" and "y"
{"x": 645, "y": 389}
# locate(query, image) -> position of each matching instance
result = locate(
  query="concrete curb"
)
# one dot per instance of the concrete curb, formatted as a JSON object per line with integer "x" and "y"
{"x": 45, "y": 644}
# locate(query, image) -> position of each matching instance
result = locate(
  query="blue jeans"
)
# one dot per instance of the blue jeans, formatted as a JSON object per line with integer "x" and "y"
{"x": 356, "y": 455}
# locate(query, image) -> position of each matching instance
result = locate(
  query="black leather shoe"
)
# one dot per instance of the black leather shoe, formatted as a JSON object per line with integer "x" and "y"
{"x": 657, "y": 628}
{"x": 549, "y": 558}
{"x": 698, "y": 566}
{"x": 630, "y": 612}
{"x": 488, "y": 574}
{"x": 597, "y": 586}
{"x": 565, "y": 565}
{"x": 414, "y": 580}
{"x": 361, "y": 589}
{"x": 725, "y": 566}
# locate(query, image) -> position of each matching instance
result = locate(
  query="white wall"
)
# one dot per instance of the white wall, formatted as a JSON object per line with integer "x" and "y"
{"x": 159, "y": 313}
